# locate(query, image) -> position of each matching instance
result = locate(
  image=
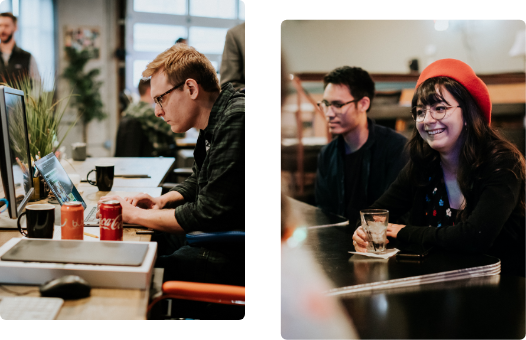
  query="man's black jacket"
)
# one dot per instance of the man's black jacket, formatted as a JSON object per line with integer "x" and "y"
{"x": 384, "y": 156}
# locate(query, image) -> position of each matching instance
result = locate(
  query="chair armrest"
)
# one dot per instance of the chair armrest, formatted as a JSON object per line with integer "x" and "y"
{"x": 205, "y": 292}
{"x": 208, "y": 292}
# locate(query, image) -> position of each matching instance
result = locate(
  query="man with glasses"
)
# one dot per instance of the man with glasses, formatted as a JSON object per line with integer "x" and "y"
{"x": 186, "y": 91}
{"x": 358, "y": 166}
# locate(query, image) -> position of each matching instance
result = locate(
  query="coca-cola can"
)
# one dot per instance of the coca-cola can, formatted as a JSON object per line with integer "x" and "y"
{"x": 110, "y": 221}
{"x": 72, "y": 221}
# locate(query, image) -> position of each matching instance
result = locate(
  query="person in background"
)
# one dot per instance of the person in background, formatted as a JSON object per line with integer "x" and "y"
{"x": 15, "y": 62}
{"x": 232, "y": 68}
{"x": 358, "y": 166}
{"x": 464, "y": 184}
{"x": 141, "y": 133}
{"x": 185, "y": 88}
{"x": 181, "y": 41}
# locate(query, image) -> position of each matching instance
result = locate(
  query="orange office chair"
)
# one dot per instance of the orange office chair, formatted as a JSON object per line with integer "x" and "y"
{"x": 203, "y": 300}
{"x": 217, "y": 293}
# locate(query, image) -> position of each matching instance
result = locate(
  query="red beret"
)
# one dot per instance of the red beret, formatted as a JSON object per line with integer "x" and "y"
{"x": 465, "y": 75}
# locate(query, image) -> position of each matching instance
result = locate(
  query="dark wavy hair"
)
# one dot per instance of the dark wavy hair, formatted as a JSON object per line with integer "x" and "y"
{"x": 483, "y": 148}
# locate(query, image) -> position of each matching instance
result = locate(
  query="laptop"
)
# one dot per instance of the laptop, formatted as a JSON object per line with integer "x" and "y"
{"x": 60, "y": 184}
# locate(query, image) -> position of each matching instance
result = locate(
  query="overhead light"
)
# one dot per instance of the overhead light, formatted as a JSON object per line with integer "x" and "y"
{"x": 441, "y": 25}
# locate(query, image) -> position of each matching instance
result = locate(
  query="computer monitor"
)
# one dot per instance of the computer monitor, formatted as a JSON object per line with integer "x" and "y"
{"x": 16, "y": 170}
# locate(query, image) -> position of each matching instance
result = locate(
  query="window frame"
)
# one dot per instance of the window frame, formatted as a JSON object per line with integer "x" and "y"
{"x": 187, "y": 21}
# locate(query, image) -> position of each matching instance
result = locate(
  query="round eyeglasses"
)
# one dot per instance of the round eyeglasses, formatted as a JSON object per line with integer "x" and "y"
{"x": 336, "y": 107}
{"x": 438, "y": 112}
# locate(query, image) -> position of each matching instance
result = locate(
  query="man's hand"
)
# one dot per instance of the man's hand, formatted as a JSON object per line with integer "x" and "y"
{"x": 393, "y": 229}
{"x": 128, "y": 211}
{"x": 144, "y": 201}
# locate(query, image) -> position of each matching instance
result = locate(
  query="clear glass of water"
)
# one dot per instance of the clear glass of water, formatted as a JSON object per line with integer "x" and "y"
{"x": 374, "y": 224}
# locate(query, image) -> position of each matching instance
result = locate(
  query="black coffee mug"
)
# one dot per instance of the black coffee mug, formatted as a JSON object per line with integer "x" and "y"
{"x": 40, "y": 220}
{"x": 104, "y": 177}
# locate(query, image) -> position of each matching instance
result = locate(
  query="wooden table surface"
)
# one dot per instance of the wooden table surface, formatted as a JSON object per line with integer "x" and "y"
{"x": 156, "y": 167}
{"x": 104, "y": 303}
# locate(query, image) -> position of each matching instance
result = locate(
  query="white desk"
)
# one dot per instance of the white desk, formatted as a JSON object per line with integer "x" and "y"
{"x": 104, "y": 303}
{"x": 156, "y": 167}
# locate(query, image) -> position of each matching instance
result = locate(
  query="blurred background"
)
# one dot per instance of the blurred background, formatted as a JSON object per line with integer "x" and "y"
{"x": 121, "y": 36}
{"x": 394, "y": 53}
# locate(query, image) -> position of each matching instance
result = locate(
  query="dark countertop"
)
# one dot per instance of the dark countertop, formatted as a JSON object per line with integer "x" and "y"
{"x": 490, "y": 307}
{"x": 311, "y": 216}
{"x": 330, "y": 247}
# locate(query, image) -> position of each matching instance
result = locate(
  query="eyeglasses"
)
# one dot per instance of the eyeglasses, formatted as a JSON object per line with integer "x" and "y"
{"x": 159, "y": 99}
{"x": 438, "y": 112}
{"x": 337, "y": 107}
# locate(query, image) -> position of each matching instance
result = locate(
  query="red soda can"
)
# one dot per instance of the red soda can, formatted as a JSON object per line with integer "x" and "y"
{"x": 110, "y": 221}
{"x": 72, "y": 221}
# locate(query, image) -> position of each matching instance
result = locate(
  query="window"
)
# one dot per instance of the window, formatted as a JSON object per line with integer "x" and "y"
{"x": 213, "y": 8}
{"x": 138, "y": 67}
{"x": 154, "y": 26}
{"x": 156, "y": 38}
{"x": 177, "y": 7}
{"x": 35, "y": 33}
{"x": 208, "y": 39}
{"x": 5, "y": 6}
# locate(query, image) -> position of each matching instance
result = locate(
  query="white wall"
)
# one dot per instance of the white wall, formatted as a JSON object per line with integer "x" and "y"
{"x": 102, "y": 14}
{"x": 386, "y": 46}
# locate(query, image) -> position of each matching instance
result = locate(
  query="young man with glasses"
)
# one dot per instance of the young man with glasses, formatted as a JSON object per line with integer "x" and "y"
{"x": 186, "y": 91}
{"x": 358, "y": 166}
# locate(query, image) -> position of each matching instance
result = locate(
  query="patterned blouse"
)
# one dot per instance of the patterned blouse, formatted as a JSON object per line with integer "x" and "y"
{"x": 438, "y": 212}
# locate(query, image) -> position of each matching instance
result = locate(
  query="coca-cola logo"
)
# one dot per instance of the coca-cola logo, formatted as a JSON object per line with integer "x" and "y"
{"x": 111, "y": 223}
{"x": 74, "y": 224}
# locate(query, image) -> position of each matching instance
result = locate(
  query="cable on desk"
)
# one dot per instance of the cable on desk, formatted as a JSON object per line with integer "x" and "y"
{"x": 17, "y": 293}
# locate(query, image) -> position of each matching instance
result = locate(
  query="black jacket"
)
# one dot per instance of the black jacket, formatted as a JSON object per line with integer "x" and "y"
{"x": 383, "y": 159}
{"x": 17, "y": 66}
{"x": 495, "y": 226}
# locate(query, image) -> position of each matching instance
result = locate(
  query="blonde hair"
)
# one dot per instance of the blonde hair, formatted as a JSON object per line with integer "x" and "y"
{"x": 181, "y": 62}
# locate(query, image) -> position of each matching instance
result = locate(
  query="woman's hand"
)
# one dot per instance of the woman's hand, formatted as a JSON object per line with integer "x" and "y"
{"x": 393, "y": 229}
{"x": 359, "y": 240}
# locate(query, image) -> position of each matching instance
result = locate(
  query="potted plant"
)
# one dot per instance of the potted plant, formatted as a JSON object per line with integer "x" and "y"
{"x": 44, "y": 113}
{"x": 87, "y": 98}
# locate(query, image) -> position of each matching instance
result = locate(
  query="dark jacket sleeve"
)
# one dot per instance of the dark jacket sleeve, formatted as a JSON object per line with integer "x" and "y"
{"x": 221, "y": 199}
{"x": 499, "y": 194}
{"x": 188, "y": 188}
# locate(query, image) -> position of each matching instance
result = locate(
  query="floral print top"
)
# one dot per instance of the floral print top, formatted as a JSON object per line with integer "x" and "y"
{"x": 438, "y": 212}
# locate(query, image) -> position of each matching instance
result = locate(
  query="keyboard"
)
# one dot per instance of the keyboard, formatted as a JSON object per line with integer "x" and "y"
{"x": 91, "y": 215}
{"x": 29, "y": 308}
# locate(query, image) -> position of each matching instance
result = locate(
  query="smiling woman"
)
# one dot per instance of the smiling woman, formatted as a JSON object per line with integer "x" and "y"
{"x": 442, "y": 127}
{"x": 464, "y": 184}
